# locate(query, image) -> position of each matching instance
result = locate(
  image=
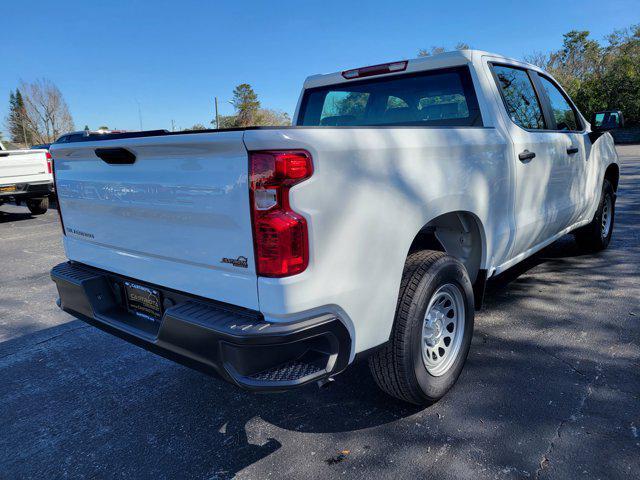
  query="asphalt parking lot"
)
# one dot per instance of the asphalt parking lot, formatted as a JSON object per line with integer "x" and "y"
{"x": 551, "y": 388}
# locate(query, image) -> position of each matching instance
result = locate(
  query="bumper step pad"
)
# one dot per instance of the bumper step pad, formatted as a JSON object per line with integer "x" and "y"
{"x": 289, "y": 371}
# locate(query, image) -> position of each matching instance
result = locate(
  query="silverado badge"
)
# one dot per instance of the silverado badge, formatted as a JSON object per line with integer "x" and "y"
{"x": 236, "y": 262}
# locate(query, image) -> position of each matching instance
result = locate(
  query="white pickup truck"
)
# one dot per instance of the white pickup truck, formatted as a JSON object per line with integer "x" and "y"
{"x": 26, "y": 175}
{"x": 274, "y": 257}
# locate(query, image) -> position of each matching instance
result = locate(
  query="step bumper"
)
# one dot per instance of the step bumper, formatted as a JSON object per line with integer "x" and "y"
{"x": 233, "y": 343}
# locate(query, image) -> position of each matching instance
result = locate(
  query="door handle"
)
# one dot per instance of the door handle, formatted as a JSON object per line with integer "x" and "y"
{"x": 526, "y": 156}
{"x": 572, "y": 150}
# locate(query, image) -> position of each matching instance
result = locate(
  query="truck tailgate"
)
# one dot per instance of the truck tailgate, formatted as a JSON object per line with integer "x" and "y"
{"x": 178, "y": 216}
{"x": 23, "y": 166}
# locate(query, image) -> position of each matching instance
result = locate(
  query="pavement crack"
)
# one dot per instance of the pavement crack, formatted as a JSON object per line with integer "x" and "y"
{"x": 545, "y": 460}
{"x": 562, "y": 360}
{"x": 60, "y": 334}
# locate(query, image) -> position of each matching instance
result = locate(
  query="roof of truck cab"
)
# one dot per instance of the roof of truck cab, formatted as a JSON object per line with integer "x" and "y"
{"x": 440, "y": 60}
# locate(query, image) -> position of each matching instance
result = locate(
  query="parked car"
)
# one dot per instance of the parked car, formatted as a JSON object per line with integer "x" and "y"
{"x": 85, "y": 135}
{"x": 608, "y": 119}
{"x": 26, "y": 176}
{"x": 274, "y": 257}
{"x": 42, "y": 146}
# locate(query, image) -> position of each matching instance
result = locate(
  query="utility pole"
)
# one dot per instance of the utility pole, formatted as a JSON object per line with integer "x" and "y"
{"x": 173, "y": 126}
{"x": 139, "y": 113}
{"x": 215, "y": 101}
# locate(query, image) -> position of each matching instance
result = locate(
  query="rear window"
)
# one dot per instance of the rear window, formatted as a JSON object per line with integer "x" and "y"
{"x": 434, "y": 98}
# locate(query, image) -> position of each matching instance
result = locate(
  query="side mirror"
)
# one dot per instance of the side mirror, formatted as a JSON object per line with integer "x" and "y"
{"x": 607, "y": 120}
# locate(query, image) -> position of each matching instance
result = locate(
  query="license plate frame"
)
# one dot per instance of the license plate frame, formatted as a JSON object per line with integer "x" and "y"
{"x": 143, "y": 301}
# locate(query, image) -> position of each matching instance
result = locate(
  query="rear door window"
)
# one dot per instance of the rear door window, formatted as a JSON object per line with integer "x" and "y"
{"x": 434, "y": 98}
{"x": 519, "y": 97}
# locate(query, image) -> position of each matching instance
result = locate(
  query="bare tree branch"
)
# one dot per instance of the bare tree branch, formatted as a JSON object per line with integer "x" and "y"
{"x": 47, "y": 113}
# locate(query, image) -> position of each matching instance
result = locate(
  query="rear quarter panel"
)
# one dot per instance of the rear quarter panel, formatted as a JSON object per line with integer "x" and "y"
{"x": 372, "y": 190}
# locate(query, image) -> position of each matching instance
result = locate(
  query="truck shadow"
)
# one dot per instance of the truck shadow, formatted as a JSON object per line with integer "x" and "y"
{"x": 86, "y": 403}
{"x": 6, "y": 217}
{"x": 132, "y": 412}
{"x": 10, "y": 212}
{"x": 522, "y": 381}
{"x": 141, "y": 415}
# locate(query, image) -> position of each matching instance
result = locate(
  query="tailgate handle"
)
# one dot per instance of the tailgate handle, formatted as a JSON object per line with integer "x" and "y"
{"x": 116, "y": 156}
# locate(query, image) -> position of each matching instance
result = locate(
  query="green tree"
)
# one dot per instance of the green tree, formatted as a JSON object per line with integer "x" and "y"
{"x": 620, "y": 83}
{"x": 263, "y": 117}
{"x": 17, "y": 121}
{"x": 226, "y": 121}
{"x": 274, "y": 118}
{"x": 598, "y": 77}
{"x": 246, "y": 103}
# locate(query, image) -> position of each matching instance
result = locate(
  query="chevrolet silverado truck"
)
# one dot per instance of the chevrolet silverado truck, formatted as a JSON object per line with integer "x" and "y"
{"x": 26, "y": 176}
{"x": 274, "y": 257}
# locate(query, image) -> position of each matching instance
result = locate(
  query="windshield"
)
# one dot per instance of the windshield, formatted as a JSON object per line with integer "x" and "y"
{"x": 433, "y": 98}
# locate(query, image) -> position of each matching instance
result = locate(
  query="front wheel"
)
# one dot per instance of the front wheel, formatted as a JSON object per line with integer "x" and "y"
{"x": 38, "y": 206}
{"x": 596, "y": 235}
{"x": 432, "y": 330}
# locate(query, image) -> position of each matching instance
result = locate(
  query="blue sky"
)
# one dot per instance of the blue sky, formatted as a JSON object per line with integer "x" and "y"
{"x": 173, "y": 57}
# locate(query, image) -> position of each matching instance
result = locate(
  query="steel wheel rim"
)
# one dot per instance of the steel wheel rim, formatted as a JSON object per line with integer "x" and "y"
{"x": 443, "y": 329}
{"x": 607, "y": 210}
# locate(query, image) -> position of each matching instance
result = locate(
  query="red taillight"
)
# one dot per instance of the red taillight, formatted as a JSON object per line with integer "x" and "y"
{"x": 280, "y": 236}
{"x": 49, "y": 166}
{"x": 51, "y": 162}
{"x": 375, "y": 70}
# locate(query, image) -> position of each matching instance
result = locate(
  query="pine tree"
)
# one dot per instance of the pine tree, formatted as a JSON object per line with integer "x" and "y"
{"x": 246, "y": 103}
{"x": 17, "y": 119}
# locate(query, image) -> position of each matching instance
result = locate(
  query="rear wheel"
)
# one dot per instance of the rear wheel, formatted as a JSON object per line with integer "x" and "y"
{"x": 596, "y": 235}
{"x": 432, "y": 330}
{"x": 38, "y": 206}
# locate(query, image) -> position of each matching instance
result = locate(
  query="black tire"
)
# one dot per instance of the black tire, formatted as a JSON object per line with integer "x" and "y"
{"x": 38, "y": 206}
{"x": 594, "y": 237}
{"x": 398, "y": 368}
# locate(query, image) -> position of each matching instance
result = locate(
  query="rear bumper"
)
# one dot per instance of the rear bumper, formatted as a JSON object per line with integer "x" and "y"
{"x": 27, "y": 190}
{"x": 233, "y": 343}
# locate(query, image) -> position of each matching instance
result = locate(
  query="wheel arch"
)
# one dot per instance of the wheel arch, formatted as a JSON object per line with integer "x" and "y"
{"x": 460, "y": 234}
{"x": 612, "y": 173}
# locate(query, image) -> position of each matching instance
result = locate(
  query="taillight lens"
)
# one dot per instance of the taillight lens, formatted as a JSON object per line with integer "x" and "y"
{"x": 49, "y": 166}
{"x": 280, "y": 234}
